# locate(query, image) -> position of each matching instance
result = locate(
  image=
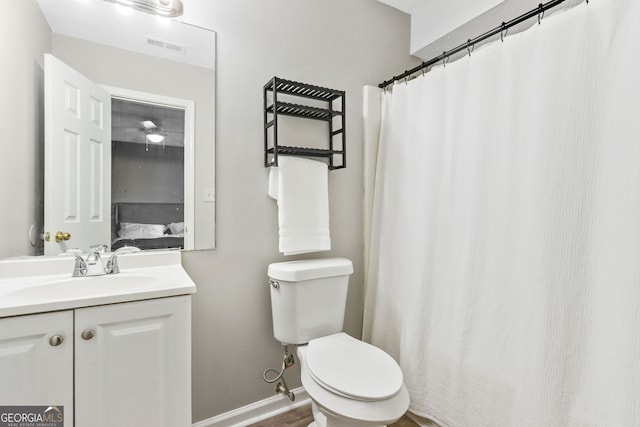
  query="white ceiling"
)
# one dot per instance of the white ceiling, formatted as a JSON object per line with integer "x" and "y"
{"x": 102, "y": 22}
{"x": 440, "y": 25}
{"x": 407, "y": 6}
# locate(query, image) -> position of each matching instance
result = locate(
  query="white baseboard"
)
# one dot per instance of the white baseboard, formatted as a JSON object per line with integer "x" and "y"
{"x": 257, "y": 411}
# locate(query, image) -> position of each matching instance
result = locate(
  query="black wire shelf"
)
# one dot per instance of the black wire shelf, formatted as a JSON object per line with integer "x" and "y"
{"x": 303, "y": 89}
{"x": 336, "y": 151}
{"x": 303, "y": 111}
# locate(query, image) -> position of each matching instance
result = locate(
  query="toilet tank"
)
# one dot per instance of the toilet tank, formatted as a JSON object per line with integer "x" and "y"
{"x": 308, "y": 298}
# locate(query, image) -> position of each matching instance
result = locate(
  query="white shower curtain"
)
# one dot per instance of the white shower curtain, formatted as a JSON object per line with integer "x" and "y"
{"x": 504, "y": 255}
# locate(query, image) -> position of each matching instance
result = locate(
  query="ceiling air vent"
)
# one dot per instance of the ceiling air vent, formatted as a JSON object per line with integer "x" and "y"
{"x": 166, "y": 45}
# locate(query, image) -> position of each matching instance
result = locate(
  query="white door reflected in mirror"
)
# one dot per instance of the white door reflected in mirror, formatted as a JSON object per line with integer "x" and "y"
{"x": 77, "y": 160}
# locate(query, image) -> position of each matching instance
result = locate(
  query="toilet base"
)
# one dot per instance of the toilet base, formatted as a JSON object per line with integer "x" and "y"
{"x": 323, "y": 419}
{"x": 314, "y": 424}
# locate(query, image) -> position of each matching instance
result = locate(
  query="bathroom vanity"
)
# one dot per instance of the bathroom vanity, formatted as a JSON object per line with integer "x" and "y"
{"x": 112, "y": 350}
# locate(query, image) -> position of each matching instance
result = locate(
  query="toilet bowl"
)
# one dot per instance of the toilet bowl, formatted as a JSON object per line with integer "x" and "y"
{"x": 350, "y": 382}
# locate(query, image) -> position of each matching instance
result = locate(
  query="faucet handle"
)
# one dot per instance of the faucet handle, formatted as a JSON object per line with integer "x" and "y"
{"x": 112, "y": 264}
{"x": 80, "y": 269}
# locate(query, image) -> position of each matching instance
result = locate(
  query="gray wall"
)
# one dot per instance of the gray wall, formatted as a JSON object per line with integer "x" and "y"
{"x": 142, "y": 174}
{"x": 24, "y": 38}
{"x": 334, "y": 43}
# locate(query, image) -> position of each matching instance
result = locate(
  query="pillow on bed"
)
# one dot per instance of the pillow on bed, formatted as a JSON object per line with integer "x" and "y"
{"x": 132, "y": 230}
{"x": 176, "y": 227}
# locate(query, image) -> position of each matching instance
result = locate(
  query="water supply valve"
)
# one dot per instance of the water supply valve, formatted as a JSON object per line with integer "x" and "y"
{"x": 288, "y": 360}
{"x": 282, "y": 388}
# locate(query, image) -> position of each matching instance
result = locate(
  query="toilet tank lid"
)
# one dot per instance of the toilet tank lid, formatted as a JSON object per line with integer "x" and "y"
{"x": 295, "y": 271}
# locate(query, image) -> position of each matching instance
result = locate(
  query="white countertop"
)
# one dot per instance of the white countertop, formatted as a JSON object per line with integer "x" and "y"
{"x": 41, "y": 284}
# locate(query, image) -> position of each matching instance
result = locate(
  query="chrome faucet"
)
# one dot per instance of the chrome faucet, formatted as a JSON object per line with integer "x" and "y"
{"x": 93, "y": 264}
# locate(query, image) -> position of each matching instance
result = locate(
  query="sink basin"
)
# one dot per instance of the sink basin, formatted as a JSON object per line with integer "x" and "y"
{"x": 77, "y": 287}
{"x": 45, "y": 284}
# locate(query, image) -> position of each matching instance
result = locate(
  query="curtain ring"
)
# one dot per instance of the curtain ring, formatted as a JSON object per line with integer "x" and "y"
{"x": 406, "y": 78}
{"x": 503, "y": 31}
{"x": 540, "y": 13}
{"x": 445, "y": 59}
{"x": 470, "y": 47}
{"x": 423, "y": 67}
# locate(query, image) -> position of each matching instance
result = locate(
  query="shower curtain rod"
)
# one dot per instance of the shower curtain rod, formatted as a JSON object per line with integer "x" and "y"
{"x": 539, "y": 12}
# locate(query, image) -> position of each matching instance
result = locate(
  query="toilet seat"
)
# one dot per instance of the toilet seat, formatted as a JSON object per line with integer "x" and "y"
{"x": 352, "y": 368}
{"x": 360, "y": 412}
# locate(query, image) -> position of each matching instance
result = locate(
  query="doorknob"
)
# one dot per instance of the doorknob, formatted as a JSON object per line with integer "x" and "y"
{"x": 61, "y": 235}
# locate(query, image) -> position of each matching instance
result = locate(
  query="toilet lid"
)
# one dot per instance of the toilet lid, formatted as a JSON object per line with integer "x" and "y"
{"x": 353, "y": 368}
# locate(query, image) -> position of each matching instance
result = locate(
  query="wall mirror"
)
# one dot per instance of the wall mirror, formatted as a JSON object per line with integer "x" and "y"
{"x": 142, "y": 61}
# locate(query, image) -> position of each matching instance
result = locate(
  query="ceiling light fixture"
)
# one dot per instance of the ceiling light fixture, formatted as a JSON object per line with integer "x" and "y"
{"x": 167, "y": 8}
{"x": 155, "y": 138}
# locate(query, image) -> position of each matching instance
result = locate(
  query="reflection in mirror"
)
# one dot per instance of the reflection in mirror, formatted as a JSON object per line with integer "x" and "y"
{"x": 112, "y": 50}
{"x": 147, "y": 175}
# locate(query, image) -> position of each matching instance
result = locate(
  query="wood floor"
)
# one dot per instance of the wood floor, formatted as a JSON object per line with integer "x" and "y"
{"x": 302, "y": 417}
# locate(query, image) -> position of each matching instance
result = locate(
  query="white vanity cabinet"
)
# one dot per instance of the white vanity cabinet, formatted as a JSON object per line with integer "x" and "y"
{"x": 133, "y": 364}
{"x": 125, "y": 364}
{"x": 36, "y": 360}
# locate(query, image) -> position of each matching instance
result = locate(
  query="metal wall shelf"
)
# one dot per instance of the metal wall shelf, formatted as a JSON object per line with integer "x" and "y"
{"x": 272, "y": 111}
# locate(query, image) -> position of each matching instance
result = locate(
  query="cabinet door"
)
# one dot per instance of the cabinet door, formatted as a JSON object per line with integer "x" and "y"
{"x": 36, "y": 361}
{"x": 133, "y": 364}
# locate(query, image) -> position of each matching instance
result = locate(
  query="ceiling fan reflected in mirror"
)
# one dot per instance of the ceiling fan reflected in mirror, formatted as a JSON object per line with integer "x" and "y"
{"x": 153, "y": 133}
{"x": 149, "y": 124}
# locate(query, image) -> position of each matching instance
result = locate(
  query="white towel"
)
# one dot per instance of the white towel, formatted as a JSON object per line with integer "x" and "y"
{"x": 302, "y": 190}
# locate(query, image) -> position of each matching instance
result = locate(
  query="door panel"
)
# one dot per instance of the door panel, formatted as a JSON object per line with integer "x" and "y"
{"x": 135, "y": 370}
{"x": 77, "y": 159}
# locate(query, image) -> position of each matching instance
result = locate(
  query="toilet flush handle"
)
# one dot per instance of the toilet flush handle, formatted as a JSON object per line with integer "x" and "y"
{"x": 274, "y": 283}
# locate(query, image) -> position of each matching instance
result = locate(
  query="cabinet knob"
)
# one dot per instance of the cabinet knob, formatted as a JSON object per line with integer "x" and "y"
{"x": 56, "y": 340}
{"x": 87, "y": 334}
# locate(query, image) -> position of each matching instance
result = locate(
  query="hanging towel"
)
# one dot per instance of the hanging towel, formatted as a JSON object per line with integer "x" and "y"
{"x": 301, "y": 189}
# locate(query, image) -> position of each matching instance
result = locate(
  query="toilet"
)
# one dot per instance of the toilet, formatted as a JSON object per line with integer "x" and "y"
{"x": 350, "y": 382}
